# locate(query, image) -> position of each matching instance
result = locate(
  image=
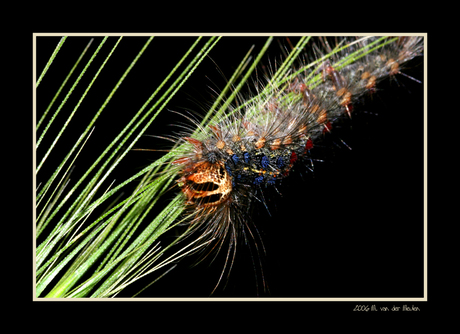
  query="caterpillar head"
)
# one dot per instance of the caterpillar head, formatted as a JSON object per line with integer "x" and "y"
{"x": 206, "y": 184}
{"x": 205, "y": 180}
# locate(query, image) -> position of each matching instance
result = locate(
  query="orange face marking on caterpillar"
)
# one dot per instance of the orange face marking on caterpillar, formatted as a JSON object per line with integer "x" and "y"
{"x": 207, "y": 184}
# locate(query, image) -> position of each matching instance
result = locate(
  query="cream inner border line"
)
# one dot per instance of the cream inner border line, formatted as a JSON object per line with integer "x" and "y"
{"x": 425, "y": 170}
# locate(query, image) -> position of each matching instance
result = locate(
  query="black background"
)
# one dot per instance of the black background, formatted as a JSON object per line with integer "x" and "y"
{"x": 353, "y": 228}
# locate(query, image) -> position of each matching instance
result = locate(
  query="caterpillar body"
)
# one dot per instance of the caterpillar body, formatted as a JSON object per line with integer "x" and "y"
{"x": 228, "y": 164}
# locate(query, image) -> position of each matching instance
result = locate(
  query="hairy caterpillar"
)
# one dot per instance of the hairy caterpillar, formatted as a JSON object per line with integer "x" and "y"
{"x": 301, "y": 226}
{"x": 229, "y": 164}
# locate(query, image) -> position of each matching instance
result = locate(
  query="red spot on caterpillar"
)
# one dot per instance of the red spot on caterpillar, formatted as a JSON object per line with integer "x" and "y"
{"x": 292, "y": 161}
{"x": 309, "y": 145}
{"x": 293, "y": 158}
{"x": 327, "y": 127}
